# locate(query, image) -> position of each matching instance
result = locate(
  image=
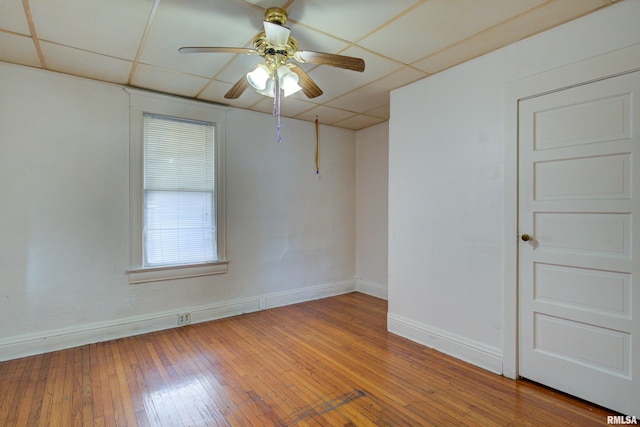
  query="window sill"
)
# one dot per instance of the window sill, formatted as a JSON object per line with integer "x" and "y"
{"x": 157, "y": 274}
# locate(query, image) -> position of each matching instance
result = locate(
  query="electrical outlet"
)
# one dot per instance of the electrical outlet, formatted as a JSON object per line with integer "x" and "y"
{"x": 184, "y": 319}
{"x": 263, "y": 304}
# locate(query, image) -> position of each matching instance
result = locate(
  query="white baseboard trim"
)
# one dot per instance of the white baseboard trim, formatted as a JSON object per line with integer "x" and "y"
{"x": 59, "y": 339}
{"x": 486, "y": 357}
{"x": 372, "y": 288}
{"x": 280, "y": 299}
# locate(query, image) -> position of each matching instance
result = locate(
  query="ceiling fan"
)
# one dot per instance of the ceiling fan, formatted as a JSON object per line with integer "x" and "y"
{"x": 276, "y": 46}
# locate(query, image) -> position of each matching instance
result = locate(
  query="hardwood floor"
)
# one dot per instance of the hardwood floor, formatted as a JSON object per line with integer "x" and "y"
{"x": 326, "y": 362}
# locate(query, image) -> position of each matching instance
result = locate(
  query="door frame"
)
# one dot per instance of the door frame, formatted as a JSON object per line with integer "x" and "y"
{"x": 601, "y": 67}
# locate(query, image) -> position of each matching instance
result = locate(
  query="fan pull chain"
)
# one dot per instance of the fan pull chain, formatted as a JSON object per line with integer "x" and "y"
{"x": 276, "y": 101}
{"x": 317, "y": 146}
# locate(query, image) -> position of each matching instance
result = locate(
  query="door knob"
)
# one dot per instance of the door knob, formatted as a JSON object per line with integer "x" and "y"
{"x": 526, "y": 237}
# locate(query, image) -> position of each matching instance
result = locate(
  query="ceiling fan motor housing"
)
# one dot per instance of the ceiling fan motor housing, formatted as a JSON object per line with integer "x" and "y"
{"x": 276, "y": 15}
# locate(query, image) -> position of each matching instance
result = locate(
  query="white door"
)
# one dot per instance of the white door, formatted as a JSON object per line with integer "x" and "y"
{"x": 579, "y": 272}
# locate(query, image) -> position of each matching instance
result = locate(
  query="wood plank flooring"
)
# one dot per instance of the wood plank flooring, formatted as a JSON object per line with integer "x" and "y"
{"x": 328, "y": 362}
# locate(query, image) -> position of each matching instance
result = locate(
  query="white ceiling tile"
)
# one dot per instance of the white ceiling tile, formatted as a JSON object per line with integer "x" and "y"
{"x": 85, "y": 64}
{"x": 507, "y": 32}
{"x": 216, "y": 90}
{"x": 238, "y": 67}
{"x": 326, "y": 115}
{"x": 265, "y": 4}
{"x": 468, "y": 49}
{"x": 359, "y": 121}
{"x": 13, "y": 17}
{"x": 217, "y": 23}
{"x": 289, "y": 107}
{"x": 377, "y": 93}
{"x": 265, "y": 105}
{"x": 346, "y": 19}
{"x": 384, "y": 112}
{"x": 18, "y": 49}
{"x": 336, "y": 81}
{"x": 401, "y": 78}
{"x": 167, "y": 81}
{"x": 113, "y": 27}
{"x": 361, "y": 100}
{"x": 437, "y": 24}
{"x": 301, "y": 96}
{"x": 309, "y": 39}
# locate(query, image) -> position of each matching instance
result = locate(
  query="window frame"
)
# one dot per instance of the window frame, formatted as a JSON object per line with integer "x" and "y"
{"x": 141, "y": 102}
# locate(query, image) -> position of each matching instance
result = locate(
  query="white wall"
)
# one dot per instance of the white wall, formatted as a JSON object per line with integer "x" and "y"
{"x": 446, "y": 208}
{"x": 447, "y": 175}
{"x": 372, "y": 172}
{"x": 64, "y": 210}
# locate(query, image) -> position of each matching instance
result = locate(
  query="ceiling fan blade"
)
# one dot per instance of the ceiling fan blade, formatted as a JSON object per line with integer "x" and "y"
{"x": 216, "y": 50}
{"x": 276, "y": 34}
{"x": 238, "y": 88}
{"x": 309, "y": 87}
{"x": 340, "y": 61}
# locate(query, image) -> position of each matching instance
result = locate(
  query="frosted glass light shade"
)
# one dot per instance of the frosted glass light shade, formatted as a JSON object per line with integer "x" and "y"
{"x": 268, "y": 88}
{"x": 288, "y": 81}
{"x": 259, "y": 77}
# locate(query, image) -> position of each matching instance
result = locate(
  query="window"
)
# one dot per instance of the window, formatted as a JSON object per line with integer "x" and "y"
{"x": 178, "y": 217}
{"x": 177, "y": 222}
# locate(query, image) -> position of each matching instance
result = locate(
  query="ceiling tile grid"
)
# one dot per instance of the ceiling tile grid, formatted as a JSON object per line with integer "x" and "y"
{"x": 135, "y": 43}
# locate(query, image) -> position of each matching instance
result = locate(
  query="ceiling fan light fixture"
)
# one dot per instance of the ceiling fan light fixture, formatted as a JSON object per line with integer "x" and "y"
{"x": 263, "y": 81}
{"x": 277, "y": 47}
{"x": 290, "y": 88}
{"x": 288, "y": 80}
{"x": 259, "y": 77}
{"x": 268, "y": 89}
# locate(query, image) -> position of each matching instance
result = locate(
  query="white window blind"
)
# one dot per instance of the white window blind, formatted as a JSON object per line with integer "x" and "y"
{"x": 179, "y": 223}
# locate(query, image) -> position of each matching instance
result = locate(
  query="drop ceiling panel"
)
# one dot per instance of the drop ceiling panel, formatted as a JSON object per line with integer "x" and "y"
{"x": 12, "y": 17}
{"x": 336, "y": 81}
{"x": 300, "y": 95}
{"x": 377, "y": 93}
{"x": 359, "y": 121}
{"x": 363, "y": 99}
{"x": 293, "y": 107}
{"x": 507, "y": 32}
{"x": 348, "y": 20}
{"x": 18, "y": 49}
{"x": 310, "y": 39}
{"x": 289, "y": 107}
{"x": 85, "y": 64}
{"x": 168, "y": 81}
{"x": 215, "y": 91}
{"x": 326, "y": 115}
{"x": 265, "y": 4}
{"x": 236, "y": 68}
{"x": 113, "y": 27}
{"x": 441, "y": 23}
{"x": 199, "y": 23}
{"x": 382, "y": 112}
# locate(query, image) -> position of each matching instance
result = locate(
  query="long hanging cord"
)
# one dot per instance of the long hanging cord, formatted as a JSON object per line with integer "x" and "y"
{"x": 317, "y": 151}
{"x": 276, "y": 101}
